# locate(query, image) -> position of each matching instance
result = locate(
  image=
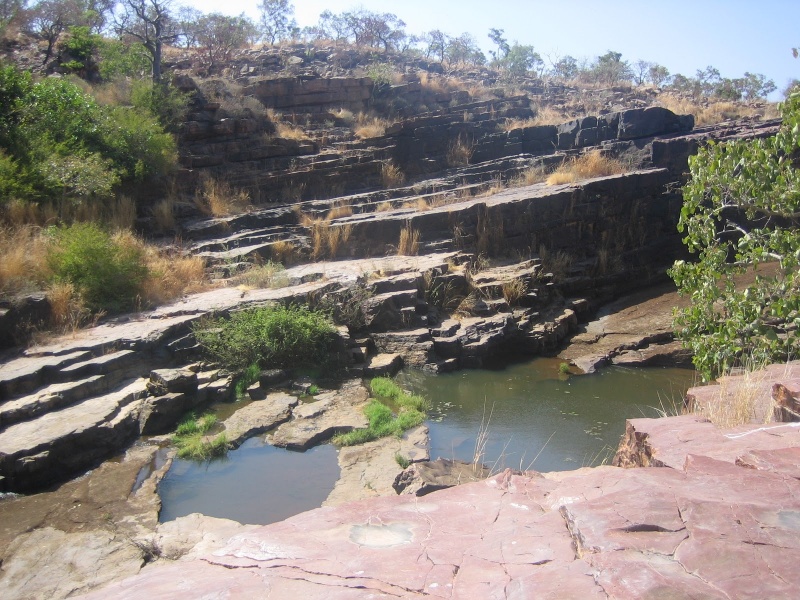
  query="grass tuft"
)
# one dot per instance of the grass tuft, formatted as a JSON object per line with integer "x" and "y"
{"x": 593, "y": 164}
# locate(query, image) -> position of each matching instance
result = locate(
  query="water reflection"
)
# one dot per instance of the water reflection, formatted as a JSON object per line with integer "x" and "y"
{"x": 256, "y": 483}
{"x": 538, "y": 418}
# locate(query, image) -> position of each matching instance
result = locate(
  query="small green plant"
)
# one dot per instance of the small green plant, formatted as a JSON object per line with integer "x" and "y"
{"x": 270, "y": 337}
{"x": 563, "y": 368}
{"x": 313, "y": 390}
{"x": 247, "y": 378}
{"x": 191, "y": 440}
{"x": 402, "y": 461}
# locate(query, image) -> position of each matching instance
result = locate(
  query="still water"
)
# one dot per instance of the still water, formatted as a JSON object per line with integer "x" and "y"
{"x": 535, "y": 417}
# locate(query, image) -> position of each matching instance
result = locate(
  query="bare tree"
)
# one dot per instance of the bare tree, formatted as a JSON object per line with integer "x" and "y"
{"x": 276, "y": 19}
{"x": 150, "y": 22}
{"x": 218, "y": 35}
{"x": 50, "y": 18}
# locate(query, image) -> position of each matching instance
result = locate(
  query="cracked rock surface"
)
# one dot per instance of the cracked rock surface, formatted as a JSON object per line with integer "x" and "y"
{"x": 711, "y": 529}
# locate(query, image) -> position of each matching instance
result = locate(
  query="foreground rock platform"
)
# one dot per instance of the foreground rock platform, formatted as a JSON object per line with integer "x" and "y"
{"x": 710, "y": 530}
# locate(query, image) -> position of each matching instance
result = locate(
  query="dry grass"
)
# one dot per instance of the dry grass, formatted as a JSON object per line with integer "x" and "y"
{"x": 741, "y": 399}
{"x": 339, "y": 209}
{"x": 530, "y": 176}
{"x": 289, "y": 131}
{"x": 707, "y": 112}
{"x": 558, "y": 264}
{"x": 384, "y": 206}
{"x": 593, "y": 164}
{"x": 459, "y": 152}
{"x": 117, "y": 213}
{"x": 420, "y": 204}
{"x": 367, "y": 126}
{"x": 391, "y": 175}
{"x": 68, "y": 311}
{"x": 326, "y": 240}
{"x": 284, "y": 251}
{"x": 23, "y": 259}
{"x": 217, "y": 198}
{"x": 408, "y": 245}
{"x": 164, "y": 215}
{"x": 545, "y": 115}
{"x": 269, "y": 275}
{"x": 433, "y": 83}
{"x": 171, "y": 274}
{"x": 513, "y": 290}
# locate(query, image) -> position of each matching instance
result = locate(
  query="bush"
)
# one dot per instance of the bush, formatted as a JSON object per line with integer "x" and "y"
{"x": 107, "y": 274}
{"x": 271, "y": 337}
{"x": 741, "y": 219}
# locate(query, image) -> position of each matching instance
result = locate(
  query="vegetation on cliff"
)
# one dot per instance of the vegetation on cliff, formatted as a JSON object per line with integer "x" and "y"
{"x": 741, "y": 218}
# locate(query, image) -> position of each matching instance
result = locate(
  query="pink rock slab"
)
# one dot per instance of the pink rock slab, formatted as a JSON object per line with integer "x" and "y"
{"x": 710, "y": 530}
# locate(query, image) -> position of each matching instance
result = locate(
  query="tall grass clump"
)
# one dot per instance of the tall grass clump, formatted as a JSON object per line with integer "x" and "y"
{"x": 391, "y": 412}
{"x": 271, "y": 337}
{"x": 217, "y": 198}
{"x": 408, "y": 245}
{"x": 593, "y": 164}
{"x": 192, "y": 442}
{"x": 268, "y": 275}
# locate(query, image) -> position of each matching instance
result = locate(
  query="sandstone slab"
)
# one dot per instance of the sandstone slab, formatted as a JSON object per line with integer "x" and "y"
{"x": 328, "y": 414}
{"x": 258, "y": 417}
{"x": 369, "y": 470}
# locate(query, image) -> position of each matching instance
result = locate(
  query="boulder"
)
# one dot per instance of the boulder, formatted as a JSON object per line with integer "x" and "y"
{"x": 655, "y": 120}
{"x": 329, "y": 413}
{"x": 425, "y": 477}
{"x": 258, "y": 417}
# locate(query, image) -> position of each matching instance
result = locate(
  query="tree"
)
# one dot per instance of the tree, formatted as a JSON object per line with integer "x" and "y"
{"x": 741, "y": 217}
{"x": 218, "y": 35}
{"x": 435, "y": 44}
{"x": 496, "y": 35}
{"x": 520, "y": 60}
{"x": 150, "y": 22}
{"x": 9, "y": 11}
{"x": 565, "y": 68}
{"x": 50, "y": 18}
{"x": 188, "y": 17}
{"x": 658, "y": 74}
{"x": 611, "y": 69}
{"x": 640, "y": 70}
{"x": 276, "y": 19}
{"x": 464, "y": 50}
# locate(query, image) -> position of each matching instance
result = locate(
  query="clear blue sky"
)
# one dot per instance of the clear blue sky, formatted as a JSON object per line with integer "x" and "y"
{"x": 732, "y": 35}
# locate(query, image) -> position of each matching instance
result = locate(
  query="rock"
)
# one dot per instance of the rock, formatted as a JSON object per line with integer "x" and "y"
{"x": 592, "y": 533}
{"x": 258, "y": 417}
{"x": 329, "y": 413}
{"x": 383, "y": 365}
{"x": 273, "y": 377}
{"x": 36, "y": 453}
{"x": 158, "y": 415}
{"x": 422, "y": 478}
{"x": 671, "y": 354}
{"x": 164, "y": 381}
{"x": 21, "y": 315}
{"x": 47, "y": 563}
{"x": 192, "y": 536}
{"x": 369, "y": 470}
{"x": 50, "y": 398}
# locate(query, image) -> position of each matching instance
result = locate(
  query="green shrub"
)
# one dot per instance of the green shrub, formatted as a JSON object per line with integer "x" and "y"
{"x": 107, "y": 274}
{"x": 118, "y": 59}
{"x": 271, "y": 337}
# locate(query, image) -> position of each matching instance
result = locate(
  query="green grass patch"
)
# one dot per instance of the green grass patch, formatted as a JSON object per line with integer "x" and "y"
{"x": 192, "y": 442}
{"x": 409, "y": 411}
{"x": 247, "y": 378}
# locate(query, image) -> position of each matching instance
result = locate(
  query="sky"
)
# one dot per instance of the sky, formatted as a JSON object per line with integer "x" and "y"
{"x": 732, "y": 35}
